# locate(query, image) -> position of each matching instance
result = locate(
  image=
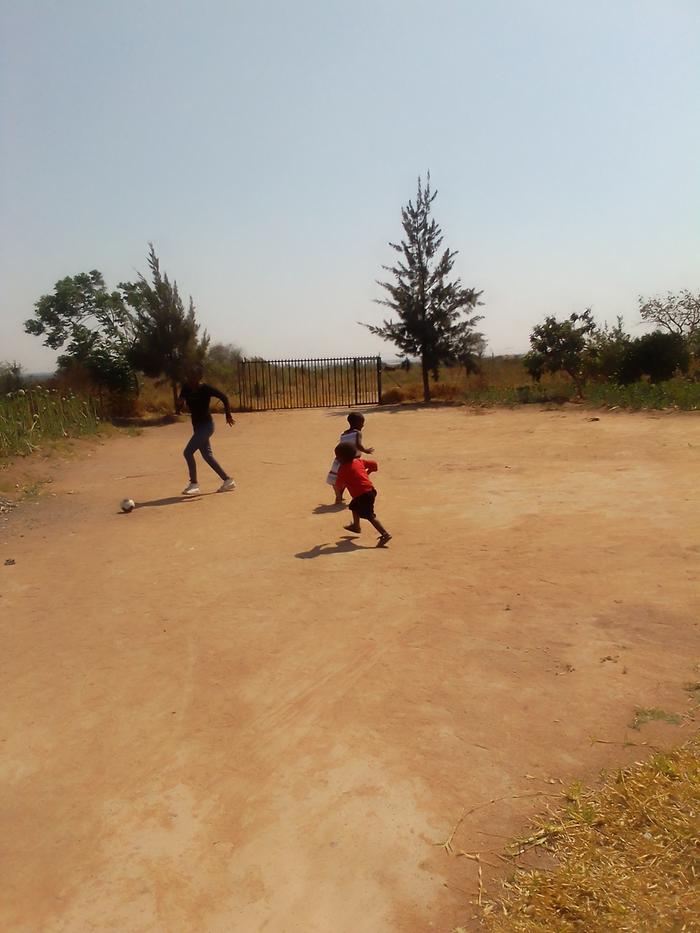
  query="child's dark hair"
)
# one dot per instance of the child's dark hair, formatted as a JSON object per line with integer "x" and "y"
{"x": 345, "y": 453}
{"x": 355, "y": 419}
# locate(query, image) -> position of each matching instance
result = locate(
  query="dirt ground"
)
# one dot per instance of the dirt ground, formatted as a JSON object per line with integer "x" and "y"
{"x": 223, "y": 714}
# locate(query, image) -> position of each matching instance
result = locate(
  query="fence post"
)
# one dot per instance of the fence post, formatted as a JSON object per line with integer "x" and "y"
{"x": 241, "y": 403}
{"x": 354, "y": 372}
{"x": 379, "y": 380}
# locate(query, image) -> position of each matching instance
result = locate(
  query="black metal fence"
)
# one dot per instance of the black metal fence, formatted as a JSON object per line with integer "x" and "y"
{"x": 313, "y": 383}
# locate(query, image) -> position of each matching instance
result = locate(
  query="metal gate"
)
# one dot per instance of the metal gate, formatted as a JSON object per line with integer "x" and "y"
{"x": 319, "y": 383}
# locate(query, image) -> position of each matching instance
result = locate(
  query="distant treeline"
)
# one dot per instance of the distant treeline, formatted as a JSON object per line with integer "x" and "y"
{"x": 136, "y": 342}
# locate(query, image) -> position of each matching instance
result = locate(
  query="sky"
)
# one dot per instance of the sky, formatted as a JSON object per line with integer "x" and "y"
{"x": 267, "y": 148}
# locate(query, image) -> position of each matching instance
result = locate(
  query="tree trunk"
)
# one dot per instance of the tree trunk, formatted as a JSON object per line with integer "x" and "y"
{"x": 426, "y": 380}
{"x": 173, "y": 385}
{"x": 579, "y": 381}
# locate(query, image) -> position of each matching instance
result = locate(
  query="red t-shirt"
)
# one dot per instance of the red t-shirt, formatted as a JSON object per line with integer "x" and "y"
{"x": 353, "y": 477}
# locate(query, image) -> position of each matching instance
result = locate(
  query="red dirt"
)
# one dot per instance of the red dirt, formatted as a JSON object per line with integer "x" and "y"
{"x": 216, "y": 719}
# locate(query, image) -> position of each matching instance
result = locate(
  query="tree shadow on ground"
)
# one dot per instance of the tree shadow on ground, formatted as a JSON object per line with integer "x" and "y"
{"x": 345, "y": 545}
{"x": 331, "y": 507}
{"x": 400, "y": 409}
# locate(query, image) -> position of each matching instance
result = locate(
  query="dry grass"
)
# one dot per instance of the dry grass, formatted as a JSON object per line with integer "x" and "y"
{"x": 502, "y": 379}
{"x": 156, "y": 397}
{"x": 627, "y": 856}
{"x": 399, "y": 385}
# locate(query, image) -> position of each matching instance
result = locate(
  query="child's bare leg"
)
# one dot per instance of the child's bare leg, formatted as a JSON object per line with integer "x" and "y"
{"x": 338, "y": 497}
{"x": 355, "y": 526}
{"x": 378, "y": 525}
{"x": 384, "y": 535}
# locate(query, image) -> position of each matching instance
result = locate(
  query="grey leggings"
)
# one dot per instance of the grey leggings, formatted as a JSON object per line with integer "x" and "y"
{"x": 200, "y": 441}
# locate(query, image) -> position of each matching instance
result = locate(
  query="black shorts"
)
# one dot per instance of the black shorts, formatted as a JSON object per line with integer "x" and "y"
{"x": 363, "y": 506}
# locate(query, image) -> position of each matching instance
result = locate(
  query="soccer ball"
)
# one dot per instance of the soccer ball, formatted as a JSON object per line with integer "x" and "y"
{"x": 128, "y": 505}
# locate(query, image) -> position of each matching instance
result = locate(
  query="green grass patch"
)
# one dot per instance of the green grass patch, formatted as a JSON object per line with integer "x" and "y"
{"x": 30, "y": 417}
{"x": 643, "y": 716}
{"x": 676, "y": 393}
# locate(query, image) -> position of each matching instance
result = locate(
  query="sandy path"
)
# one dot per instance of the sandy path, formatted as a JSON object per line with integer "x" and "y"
{"x": 216, "y": 719}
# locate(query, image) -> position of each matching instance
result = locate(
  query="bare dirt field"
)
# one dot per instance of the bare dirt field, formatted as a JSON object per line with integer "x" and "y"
{"x": 223, "y": 714}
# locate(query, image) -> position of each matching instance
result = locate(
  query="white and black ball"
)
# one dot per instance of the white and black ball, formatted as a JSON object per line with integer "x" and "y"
{"x": 128, "y": 505}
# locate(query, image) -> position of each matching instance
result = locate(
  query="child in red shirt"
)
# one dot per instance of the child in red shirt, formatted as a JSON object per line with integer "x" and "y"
{"x": 353, "y": 436}
{"x": 353, "y": 476}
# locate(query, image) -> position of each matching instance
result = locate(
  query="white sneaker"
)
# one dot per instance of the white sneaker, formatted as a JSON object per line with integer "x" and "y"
{"x": 192, "y": 489}
{"x": 227, "y": 485}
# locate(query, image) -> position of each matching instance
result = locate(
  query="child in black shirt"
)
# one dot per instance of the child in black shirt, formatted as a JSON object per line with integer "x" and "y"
{"x": 197, "y": 395}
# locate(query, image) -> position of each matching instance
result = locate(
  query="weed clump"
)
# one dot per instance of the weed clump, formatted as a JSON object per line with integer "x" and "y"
{"x": 643, "y": 716}
{"x": 628, "y": 856}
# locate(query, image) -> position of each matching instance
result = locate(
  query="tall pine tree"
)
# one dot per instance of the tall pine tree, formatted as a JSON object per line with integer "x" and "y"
{"x": 430, "y": 307}
{"x": 167, "y": 341}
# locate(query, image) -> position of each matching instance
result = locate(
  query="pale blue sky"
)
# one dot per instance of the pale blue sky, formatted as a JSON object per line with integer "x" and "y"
{"x": 266, "y": 148}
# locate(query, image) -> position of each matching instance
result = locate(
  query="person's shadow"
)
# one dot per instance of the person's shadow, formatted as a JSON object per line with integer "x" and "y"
{"x": 333, "y": 507}
{"x": 170, "y": 500}
{"x": 345, "y": 545}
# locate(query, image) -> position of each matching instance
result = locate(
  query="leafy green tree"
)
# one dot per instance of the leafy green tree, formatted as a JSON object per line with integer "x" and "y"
{"x": 606, "y": 350}
{"x": 223, "y": 355}
{"x": 92, "y": 325}
{"x": 658, "y": 355}
{"x": 428, "y": 304}
{"x": 221, "y": 363}
{"x": 469, "y": 350}
{"x": 166, "y": 342}
{"x": 560, "y": 346}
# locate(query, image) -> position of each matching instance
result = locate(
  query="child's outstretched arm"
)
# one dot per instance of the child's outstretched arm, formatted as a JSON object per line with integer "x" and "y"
{"x": 364, "y": 450}
{"x": 227, "y": 406}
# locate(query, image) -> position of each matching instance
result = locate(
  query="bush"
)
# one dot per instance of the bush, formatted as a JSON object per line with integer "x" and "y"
{"x": 393, "y": 397}
{"x": 11, "y": 377}
{"x": 560, "y": 346}
{"x": 658, "y": 355}
{"x": 606, "y": 351}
